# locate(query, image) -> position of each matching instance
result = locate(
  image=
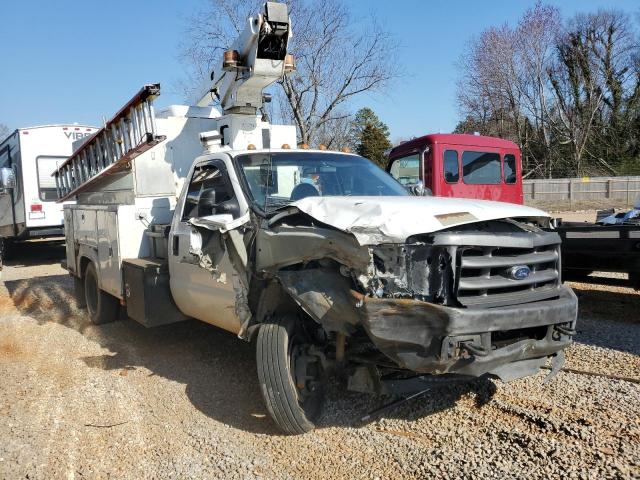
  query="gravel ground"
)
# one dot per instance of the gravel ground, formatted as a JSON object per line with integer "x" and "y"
{"x": 81, "y": 401}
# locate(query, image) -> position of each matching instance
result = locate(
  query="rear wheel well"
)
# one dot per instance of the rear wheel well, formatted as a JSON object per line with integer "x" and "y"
{"x": 84, "y": 261}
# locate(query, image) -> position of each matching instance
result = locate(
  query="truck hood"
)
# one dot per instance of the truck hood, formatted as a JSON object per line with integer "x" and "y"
{"x": 376, "y": 220}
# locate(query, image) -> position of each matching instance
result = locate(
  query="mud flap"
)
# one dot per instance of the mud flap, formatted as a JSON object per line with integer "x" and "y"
{"x": 557, "y": 362}
{"x": 518, "y": 369}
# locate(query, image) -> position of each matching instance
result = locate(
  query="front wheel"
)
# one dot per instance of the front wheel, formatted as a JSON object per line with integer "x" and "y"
{"x": 290, "y": 375}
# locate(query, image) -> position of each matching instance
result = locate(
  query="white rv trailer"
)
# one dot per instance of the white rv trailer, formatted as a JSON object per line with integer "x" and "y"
{"x": 28, "y": 195}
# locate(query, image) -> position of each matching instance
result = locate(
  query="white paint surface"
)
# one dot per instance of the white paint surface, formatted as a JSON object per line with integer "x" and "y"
{"x": 374, "y": 220}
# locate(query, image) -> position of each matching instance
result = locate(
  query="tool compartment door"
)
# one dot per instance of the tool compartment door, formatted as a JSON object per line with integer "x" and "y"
{"x": 70, "y": 240}
{"x": 84, "y": 223}
{"x": 108, "y": 254}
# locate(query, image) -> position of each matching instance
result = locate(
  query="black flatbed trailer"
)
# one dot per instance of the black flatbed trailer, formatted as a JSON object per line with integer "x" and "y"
{"x": 593, "y": 247}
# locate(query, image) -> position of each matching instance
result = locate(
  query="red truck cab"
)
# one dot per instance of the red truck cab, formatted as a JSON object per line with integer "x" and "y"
{"x": 460, "y": 165}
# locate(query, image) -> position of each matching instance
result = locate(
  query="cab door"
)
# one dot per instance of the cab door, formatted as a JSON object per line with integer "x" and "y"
{"x": 203, "y": 281}
{"x": 512, "y": 176}
{"x": 471, "y": 172}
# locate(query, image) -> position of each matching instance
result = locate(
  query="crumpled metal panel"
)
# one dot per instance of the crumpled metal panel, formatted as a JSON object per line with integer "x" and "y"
{"x": 375, "y": 220}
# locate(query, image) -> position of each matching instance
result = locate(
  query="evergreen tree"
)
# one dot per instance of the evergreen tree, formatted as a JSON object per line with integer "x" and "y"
{"x": 370, "y": 136}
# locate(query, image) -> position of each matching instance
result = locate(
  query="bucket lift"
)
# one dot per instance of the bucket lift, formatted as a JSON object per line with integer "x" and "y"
{"x": 256, "y": 59}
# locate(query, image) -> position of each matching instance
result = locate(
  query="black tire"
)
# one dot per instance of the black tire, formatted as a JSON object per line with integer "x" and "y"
{"x": 293, "y": 409}
{"x": 6, "y": 250}
{"x": 79, "y": 293}
{"x": 101, "y": 307}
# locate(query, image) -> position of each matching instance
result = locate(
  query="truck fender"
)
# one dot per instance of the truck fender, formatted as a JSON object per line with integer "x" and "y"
{"x": 272, "y": 301}
{"x": 85, "y": 255}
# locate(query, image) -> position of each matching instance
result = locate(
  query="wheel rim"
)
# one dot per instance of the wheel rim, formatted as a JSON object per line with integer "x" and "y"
{"x": 306, "y": 374}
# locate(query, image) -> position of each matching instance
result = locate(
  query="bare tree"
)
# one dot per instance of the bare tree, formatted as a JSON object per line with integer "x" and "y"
{"x": 336, "y": 58}
{"x": 596, "y": 85}
{"x": 616, "y": 61}
{"x": 336, "y": 133}
{"x": 564, "y": 91}
{"x": 504, "y": 89}
{"x": 487, "y": 89}
{"x": 536, "y": 36}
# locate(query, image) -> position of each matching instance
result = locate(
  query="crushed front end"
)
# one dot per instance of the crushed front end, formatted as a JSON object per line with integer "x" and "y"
{"x": 481, "y": 298}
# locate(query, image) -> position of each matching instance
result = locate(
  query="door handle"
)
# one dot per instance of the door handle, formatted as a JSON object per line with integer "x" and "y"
{"x": 175, "y": 247}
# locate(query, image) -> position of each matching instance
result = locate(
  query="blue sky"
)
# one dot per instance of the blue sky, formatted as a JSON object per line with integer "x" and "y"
{"x": 79, "y": 61}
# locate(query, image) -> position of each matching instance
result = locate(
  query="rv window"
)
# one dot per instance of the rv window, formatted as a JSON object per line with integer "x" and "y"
{"x": 509, "y": 168}
{"x": 481, "y": 168}
{"x": 406, "y": 169}
{"x": 46, "y": 182}
{"x": 451, "y": 168}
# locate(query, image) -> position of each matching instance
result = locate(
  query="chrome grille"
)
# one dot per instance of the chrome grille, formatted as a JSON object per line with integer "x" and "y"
{"x": 483, "y": 262}
{"x": 484, "y": 274}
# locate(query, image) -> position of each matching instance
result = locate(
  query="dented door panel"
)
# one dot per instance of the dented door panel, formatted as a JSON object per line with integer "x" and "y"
{"x": 204, "y": 283}
{"x": 203, "y": 290}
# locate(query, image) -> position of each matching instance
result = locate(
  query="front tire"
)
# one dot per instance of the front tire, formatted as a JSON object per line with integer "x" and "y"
{"x": 291, "y": 379}
{"x": 101, "y": 307}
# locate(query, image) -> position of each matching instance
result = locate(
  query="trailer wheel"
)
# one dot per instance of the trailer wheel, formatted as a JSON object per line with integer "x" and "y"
{"x": 291, "y": 377}
{"x": 6, "y": 249}
{"x": 102, "y": 307}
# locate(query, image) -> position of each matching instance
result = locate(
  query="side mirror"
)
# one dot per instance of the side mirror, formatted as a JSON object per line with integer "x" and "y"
{"x": 7, "y": 178}
{"x": 208, "y": 198}
{"x": 419, "y": 190}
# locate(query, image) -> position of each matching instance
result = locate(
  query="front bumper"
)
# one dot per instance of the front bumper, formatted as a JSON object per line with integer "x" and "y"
{"x": 42, "y": 232}
{"x": 428, "y": 338}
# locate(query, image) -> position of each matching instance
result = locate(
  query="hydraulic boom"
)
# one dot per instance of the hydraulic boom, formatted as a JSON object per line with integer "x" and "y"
{"x": 256, "y": 59}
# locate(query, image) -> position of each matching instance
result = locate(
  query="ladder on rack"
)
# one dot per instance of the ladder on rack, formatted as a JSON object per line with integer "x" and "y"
{"x": 129, "y": 133}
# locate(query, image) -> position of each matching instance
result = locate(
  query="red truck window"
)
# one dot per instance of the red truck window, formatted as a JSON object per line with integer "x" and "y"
{"x": 510, "y": 168}
{"x": 481, "y": 168}
{"x": 451, "y": 167}
{"x": 406, "y": 169}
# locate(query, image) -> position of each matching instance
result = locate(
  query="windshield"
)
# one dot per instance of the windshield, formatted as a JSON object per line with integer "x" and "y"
{"x": 292, "y": 176}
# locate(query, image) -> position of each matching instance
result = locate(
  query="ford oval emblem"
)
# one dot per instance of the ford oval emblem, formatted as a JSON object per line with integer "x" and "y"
{"x": 519, "y": 272}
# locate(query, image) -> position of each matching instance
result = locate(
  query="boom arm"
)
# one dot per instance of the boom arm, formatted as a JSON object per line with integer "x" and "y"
{"x": 256, "y": 59}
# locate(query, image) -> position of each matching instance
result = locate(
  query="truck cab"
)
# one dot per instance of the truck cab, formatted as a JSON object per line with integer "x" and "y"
{"x": 460, "y": 165}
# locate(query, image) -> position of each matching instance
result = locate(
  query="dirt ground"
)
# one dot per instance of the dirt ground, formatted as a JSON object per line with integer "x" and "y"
{"x": 182, "y": 401}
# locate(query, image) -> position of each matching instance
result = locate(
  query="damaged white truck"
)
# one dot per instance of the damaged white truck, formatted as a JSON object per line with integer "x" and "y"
{"x": 320, "y": 257}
